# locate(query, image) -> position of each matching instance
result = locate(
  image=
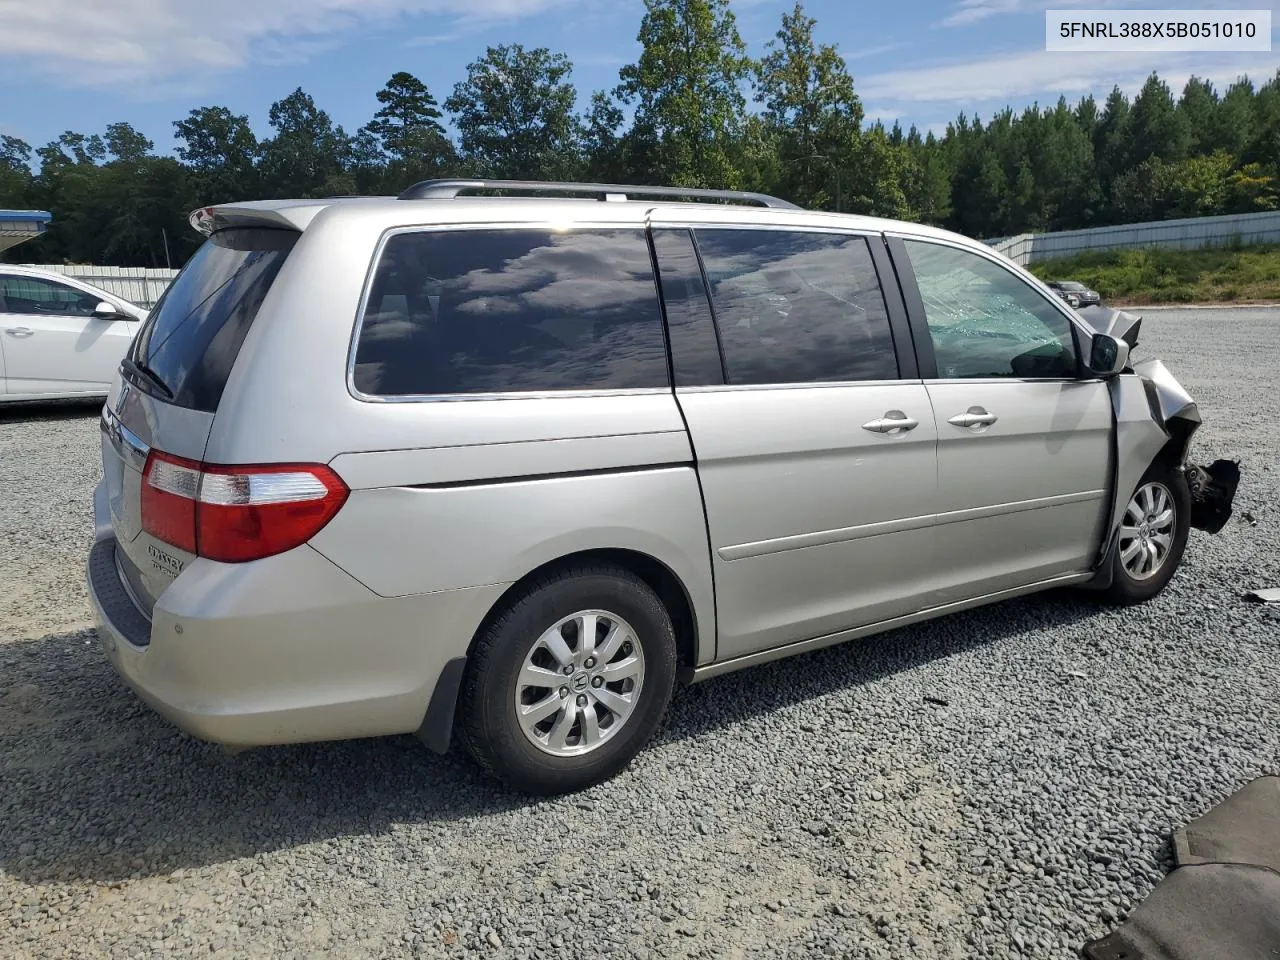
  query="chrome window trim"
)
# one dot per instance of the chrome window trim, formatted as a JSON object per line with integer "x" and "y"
{"x": 511, "y": 395}
{"x": 802, "y": 385}
{"x": 692, "y": 223}
{"x": 753, "y": 224}
{"x": 553, "y": 225}
{"x": 936, "y": 381}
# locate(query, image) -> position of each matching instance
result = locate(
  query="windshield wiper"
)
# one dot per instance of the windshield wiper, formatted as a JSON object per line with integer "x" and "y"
{"x": 141, "y": 371}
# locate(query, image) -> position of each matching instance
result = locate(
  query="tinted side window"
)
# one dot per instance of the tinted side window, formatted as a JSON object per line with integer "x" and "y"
{"x": 795, "y": 307}
{"x": 39, "y": 297}
{"x": 985, "y": 321}
{"x": 490, "y": 311}
{"x": 695, "y": 352}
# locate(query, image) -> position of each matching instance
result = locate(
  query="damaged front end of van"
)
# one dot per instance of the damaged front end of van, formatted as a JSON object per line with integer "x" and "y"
{"x": 1155, "y": 420}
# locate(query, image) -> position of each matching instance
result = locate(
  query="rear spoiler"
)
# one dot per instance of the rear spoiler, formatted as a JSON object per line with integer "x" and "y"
{"x": 279, "y": 214}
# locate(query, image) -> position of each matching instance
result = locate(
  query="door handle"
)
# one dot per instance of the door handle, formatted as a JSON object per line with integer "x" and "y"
{"x": 973, "y": 417}
{"x": 19, "y": 331}
{"x": 894, "y": 423}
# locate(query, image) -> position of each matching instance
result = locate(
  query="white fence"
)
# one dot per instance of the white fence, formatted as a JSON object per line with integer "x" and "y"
{"x": 140, "y": 285}
{"x": 1190, "y": 234}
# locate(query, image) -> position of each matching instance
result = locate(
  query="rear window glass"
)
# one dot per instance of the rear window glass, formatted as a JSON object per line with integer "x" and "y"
{"x": 193, "y": 335}
{"x": 494, "y": 311}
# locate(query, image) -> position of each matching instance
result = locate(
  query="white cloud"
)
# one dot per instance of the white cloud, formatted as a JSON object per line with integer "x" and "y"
{"x": 122, "y": 42}
{"x": 1037, "y": 74}
{"x": 867, "y": 52}
{"x": 972, "y": 11}
{"x": 975, "y": 11}
{"x": 435, "y": 39}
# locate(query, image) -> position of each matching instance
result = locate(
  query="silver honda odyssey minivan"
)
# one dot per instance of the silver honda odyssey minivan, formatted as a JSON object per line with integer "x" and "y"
{"x": 513, "y": 459}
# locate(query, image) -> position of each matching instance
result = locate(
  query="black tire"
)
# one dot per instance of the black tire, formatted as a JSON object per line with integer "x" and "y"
{"x": 487, "y": 721}
{"x": 1126, "y": 589}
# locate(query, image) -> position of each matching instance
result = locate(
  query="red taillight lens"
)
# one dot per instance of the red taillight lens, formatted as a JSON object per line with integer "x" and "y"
{"x": 236, "y": 514}
{"x": 170, "y": 486}
{"x": 246, "y": 513}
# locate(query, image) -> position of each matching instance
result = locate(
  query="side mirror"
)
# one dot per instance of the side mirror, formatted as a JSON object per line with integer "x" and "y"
{"x": 107, "y": 311}
{"x": 1107, "y": 355}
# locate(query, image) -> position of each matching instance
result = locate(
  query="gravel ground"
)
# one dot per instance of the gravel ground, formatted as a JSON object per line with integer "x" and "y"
{"x": 999, "y": 783}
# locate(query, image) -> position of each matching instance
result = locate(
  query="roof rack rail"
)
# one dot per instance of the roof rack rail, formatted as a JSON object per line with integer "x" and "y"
{"x": 449, "y": 189}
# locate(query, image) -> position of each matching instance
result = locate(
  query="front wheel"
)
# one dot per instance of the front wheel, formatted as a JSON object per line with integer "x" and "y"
{"x": 1152, "y": 537}
{"x": 567, "y": 684}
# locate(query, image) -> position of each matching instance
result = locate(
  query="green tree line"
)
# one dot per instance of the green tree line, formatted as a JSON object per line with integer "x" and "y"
{"x": 693, "y": 110}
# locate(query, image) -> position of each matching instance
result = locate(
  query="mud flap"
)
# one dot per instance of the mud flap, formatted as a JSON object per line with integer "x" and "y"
{"x": 1213, "y": 488}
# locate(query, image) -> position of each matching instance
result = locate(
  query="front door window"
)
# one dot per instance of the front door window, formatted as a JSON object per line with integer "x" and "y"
{"x": 987, "y": 322}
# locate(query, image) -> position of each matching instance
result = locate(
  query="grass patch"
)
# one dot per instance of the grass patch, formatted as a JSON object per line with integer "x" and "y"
{"x": 1152, "y": 275}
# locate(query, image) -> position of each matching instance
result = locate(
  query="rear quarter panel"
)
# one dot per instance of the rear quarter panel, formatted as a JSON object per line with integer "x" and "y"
{"x": 448, "y": 517}
{"x": 401, "y": 540}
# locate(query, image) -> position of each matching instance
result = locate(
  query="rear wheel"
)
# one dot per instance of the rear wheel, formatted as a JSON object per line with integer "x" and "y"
{"x": 1153, "y": 535}
{"x": 569, "y": 682}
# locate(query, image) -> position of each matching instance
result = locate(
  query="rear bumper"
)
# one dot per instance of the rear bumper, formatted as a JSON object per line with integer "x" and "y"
{"x": 284, "y": 650}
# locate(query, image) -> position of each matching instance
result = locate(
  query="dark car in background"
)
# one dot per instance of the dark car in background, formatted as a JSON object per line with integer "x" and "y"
{"x": 1070, "y": 290}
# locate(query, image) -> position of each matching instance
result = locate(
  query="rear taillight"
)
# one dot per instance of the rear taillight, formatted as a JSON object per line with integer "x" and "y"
{"x": 235, "y": 514}
{"x": 245, "y": 513}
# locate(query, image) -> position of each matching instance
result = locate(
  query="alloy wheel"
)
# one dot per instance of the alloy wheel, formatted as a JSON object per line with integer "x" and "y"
{"x": 1146, "y": 531}
{"x": 579, "y": 683}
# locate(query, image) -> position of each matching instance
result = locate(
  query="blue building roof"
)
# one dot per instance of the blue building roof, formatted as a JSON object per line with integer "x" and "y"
{"x": 27, "y": 216}
{"x": 19, "y": 225}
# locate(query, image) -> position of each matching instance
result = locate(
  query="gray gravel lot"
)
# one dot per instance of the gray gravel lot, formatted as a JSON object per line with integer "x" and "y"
{"x": 999, "y": 783}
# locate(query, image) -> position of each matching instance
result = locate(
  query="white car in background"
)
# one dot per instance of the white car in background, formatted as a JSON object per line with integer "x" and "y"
{"x": 60, "y": 338}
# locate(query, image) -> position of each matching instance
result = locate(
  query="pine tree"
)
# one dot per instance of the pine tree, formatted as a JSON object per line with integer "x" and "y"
{"x": 686, "y": 90}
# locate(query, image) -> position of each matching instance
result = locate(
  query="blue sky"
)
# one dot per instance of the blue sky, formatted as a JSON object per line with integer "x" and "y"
{"x": 81, "y": 64}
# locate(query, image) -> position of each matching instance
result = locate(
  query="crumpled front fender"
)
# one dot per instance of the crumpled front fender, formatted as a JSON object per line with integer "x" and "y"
{"x": 1169, "y": 399}
{"x": 1140, "y": 437}
{"x": 1155, "y": 418}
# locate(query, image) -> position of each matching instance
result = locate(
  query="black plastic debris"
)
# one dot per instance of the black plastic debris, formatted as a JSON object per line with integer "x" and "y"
{"x": 1213, "y": 488}
{"x": 1222, "y": 902}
